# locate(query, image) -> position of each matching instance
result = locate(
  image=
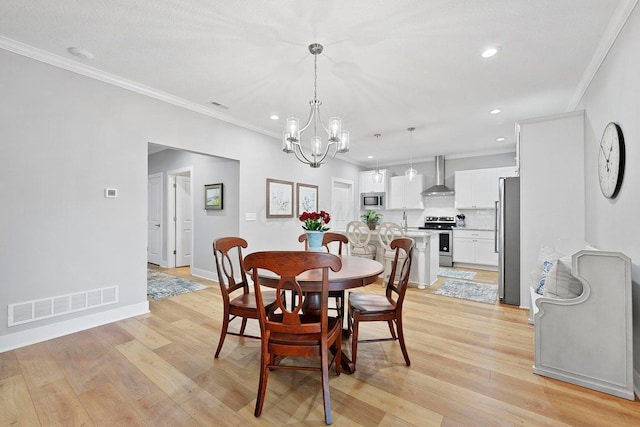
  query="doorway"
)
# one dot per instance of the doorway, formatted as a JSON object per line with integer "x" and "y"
{"x": 154, "y": 218}
{"x": 180, "y": 214}
{"x": 342, "y": 203}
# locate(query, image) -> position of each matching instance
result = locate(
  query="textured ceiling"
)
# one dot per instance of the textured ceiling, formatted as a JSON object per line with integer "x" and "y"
{"x": 387, "y": 65}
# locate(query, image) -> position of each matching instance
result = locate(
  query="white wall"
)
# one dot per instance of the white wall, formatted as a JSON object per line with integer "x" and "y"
{"x": 613, "y": 96}
{"x": 64, "y": 138}
{"x": 552, "y": 202}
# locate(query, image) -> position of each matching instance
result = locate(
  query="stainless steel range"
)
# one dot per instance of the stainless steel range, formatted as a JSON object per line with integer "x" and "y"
{"x": 444, "y": 225}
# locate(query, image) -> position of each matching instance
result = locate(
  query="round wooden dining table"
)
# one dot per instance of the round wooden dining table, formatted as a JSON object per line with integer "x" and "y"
{"x": 355, "y": 272}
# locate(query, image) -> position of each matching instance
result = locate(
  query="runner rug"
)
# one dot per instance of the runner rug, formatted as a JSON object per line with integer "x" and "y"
{"x": 456, "y": 274}
{"x": 472, "y": 291}
{"x": 160, "y": 285}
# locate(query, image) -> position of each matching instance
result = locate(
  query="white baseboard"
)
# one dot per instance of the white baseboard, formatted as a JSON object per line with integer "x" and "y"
{"x": 204, "y": 274}
{"x": 636, "y": 382}
{"x": 55, "y": 330}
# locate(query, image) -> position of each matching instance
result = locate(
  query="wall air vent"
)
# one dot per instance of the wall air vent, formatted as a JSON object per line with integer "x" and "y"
{"x": 30, "y": 311}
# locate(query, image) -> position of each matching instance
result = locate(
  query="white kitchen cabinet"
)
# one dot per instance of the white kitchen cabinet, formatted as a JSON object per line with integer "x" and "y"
{"x": 478, "y": 188}
{"x": 405, "y": 194}
{"x": 464, "y": 250}
{"x": 474, "y": 189}
{"x": 475, "y": 247}
{"x": 497, "y": 174}
{"x": 367, "y": 185}
{"x": 486, "y": 251}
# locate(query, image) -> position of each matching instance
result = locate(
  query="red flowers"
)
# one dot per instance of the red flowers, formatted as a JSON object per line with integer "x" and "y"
{"x": 315, "y": 221}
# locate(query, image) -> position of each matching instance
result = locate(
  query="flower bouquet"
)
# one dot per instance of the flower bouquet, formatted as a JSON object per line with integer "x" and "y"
{"x": 315, "y": 221}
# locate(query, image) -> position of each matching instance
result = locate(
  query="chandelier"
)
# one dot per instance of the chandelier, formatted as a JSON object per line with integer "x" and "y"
{"x": 338, "y": 139}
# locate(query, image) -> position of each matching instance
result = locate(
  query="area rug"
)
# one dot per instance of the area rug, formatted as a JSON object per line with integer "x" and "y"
{"x": 160, "y": 285}
{"x": 456, "y": 274}
{"x": 472, "y": 291}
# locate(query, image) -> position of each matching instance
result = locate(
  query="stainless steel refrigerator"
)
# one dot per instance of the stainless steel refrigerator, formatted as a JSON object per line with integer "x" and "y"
{"x": 508, "y": 240}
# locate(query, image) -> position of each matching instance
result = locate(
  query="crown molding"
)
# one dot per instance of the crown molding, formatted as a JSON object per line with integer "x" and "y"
{"x": 618, "y": 20}
{"x": 112, "y": 79}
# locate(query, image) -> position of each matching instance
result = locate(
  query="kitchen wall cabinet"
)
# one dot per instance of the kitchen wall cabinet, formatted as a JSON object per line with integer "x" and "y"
{"x": 474, "y": 247}
{"x": 405, "y": 194}
{"x": 368, "y": 186}
{"x": 478, "y": 189}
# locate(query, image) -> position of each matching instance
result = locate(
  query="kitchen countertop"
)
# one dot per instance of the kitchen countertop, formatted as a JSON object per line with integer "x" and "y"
{"x": 475, "y": 228}
{"x": 416, "y": 231}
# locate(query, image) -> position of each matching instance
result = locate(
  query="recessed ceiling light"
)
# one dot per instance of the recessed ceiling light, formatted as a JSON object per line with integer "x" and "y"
{"x": 489, "y": 52}
{"x": 80, "y": 53}
{"x": 274, "y": 117}
{"x": 495, "y": 111}
{"x": 502, "y": 138}
{"x": 369, "y": 157}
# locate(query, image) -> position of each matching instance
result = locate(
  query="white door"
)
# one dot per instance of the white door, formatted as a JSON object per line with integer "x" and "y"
{"x": 183, "y": 221}
{"x": 154, "y": 219}
{"x": 341, "y": 203}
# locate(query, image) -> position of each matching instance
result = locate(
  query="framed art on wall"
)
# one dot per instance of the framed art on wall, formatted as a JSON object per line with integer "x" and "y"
{"x": 279, "y": 198}
{"x": 213, "y": 197}
{"x": 307, "y": 198}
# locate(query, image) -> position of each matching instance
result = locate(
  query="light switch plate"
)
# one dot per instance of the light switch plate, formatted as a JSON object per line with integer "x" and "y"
{"x": 250, "y": 216}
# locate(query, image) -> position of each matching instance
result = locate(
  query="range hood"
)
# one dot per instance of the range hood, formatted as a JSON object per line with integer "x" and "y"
{"x": 439, "y": 189}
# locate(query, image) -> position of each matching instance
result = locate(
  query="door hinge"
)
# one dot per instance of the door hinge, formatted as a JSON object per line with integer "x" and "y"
{"x": 174, "y": 251}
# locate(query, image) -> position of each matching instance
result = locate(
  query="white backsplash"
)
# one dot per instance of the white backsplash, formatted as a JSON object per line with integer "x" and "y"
{"x": 442, "y": 206}
{"x": 439, "y": 206}
{"x": 479, "y": 218}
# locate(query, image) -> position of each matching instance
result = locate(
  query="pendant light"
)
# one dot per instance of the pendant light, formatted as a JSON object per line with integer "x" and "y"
{"x": 411, "y": 172}
{"x": 377, "y": 175}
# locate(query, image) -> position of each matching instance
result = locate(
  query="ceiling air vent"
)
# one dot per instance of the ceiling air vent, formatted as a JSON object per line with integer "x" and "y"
{"x": 217, "y": 104}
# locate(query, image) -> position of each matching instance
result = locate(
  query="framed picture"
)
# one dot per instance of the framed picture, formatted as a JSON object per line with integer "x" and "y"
{"x": 213, "y": 197}
{"x": 279, "y": 199}
{"x": 307, "y": 198}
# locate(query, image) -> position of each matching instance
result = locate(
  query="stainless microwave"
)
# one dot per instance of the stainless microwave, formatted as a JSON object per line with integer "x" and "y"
{"x": 372, "y": 201}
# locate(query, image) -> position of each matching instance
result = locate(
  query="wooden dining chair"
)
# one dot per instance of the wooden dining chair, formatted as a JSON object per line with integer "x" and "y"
{"x": 386, "y": 234}
{"x": 303, "y": 239}
{"x": 334, "y": 243}
{"x": 289, "y": 332}
{"x": 366, "y": 307}
{"x": 237, "y": 299}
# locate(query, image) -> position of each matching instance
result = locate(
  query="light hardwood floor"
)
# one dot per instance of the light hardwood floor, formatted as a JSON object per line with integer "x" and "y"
{"x": 471, "y": 366}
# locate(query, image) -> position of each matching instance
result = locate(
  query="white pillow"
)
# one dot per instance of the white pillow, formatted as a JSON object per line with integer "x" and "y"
{"x": 540, "y": 285}
{"x": 546, "y": 258}
{"x": 559, "y": 282}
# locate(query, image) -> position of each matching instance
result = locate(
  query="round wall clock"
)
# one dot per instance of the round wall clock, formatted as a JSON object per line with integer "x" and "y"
{"x": 611, "y": 160}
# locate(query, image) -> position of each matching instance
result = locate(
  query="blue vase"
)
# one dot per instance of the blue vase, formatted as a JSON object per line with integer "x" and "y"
{"x": 314, "y": 238}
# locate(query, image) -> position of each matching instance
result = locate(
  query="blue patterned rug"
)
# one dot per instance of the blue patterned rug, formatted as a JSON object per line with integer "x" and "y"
{"x": 456, "y": 274}
{"x": 472, "y": 291}
{"x": 160, "y": 285}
